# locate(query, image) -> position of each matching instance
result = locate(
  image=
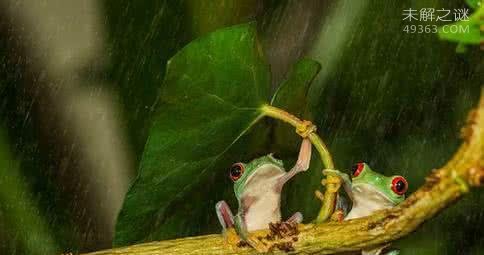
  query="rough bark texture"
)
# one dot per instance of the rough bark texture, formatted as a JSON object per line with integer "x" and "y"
{"x": 443, "y": 187}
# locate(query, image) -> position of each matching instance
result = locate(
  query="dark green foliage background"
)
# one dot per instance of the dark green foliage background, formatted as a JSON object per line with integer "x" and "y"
{"x": 392, "y": 99}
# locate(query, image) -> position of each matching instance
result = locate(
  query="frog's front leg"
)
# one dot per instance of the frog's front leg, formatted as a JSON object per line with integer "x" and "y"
{"x": 296, "y": 218}
{"x": 235, "y": 230}
{"x": 226, "y": 219}
{"x": 333, "y": 182}
{"x": 301, "y": 165}
{"x": 345, "y": 180}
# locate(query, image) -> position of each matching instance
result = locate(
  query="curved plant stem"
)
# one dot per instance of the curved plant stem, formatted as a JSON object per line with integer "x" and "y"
{"x": 442, "y": 188}
{"x": 332, "y": 182}
{"x": 280, "y": 114}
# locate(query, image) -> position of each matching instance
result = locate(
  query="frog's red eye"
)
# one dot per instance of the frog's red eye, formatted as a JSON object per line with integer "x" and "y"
{"x": 399, "y": 185}
{"x": 236, "y": 171}
{"x": 357, "y": 169}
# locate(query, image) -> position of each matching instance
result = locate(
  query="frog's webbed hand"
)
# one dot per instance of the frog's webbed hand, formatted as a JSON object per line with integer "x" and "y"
{"x": 226, "y": 219}
{"x": 305, "y": 128}
{"x": 256, "y": 242}
{"x": 296, "y": 218}
{"x": 344, "y": 177}
{"x": 302, "y": 163}
{"x": 282, "y": 235}
{"x": 333, "y": 181}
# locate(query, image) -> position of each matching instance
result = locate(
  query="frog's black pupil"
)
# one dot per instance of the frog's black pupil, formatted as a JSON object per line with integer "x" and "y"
{"x": 235, "y": 171}
{"x": 354, "y": 168}
{"x": 400, "y": 186}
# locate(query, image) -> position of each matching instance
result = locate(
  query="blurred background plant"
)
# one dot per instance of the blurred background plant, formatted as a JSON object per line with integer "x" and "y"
{"x": 79, "y": 83}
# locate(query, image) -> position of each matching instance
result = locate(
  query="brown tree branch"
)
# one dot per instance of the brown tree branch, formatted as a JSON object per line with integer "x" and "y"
{"x": 443, "y": 187}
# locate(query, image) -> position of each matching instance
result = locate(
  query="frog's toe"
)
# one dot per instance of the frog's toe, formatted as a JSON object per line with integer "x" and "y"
{"x": 335, "y": 172}
{"x": 305, "y": 128}
{"x": 332, "y": 184}
{"x": 262, "y": 248}
{"x": 231, "y": 237}
{"x": 338, "y": 215}
{"x": 327, "y": 181}
{"x": 319, "y": 195}
{"x": 258, "y": 245}
{"x": 295, "y": 218}
{"x": 392, "y": 252}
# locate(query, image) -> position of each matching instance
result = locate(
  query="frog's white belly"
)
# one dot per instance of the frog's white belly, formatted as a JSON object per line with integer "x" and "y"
{"x": 264, "y": 198}
{"x": 366, "y": 201}
{"x": 363, "y": 210}
{"x": 265, "y": 210}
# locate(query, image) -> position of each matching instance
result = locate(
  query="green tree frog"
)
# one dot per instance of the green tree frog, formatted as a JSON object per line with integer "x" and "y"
{"x": 370, "y": 191}
{"x": 258, "y": 186}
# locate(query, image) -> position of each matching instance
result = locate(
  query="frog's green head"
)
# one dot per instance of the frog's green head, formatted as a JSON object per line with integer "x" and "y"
{"x": 242, "y": 174}
{"x": 365, "y": 180}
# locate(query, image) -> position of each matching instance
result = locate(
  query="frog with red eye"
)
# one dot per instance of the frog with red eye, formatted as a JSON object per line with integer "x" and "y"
{"x": 258, "y": 186}
{"x": 370, "y": 191}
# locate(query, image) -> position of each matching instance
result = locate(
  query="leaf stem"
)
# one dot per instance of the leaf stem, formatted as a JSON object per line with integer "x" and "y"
{"x": 333, "y": 182}
{"x": 294, "y": 121}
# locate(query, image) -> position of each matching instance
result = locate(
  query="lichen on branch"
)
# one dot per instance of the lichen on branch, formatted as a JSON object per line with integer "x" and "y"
{"x": 442, "y": 187}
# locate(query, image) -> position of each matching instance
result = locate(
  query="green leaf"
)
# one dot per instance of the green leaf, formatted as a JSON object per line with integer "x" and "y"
{"x": 291, "y": 96}
{"x": 141, "y": 43}
{"x": 292, "y": 93}
{"x": 209, "y": 104}
{"x": 210, "y": 98}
